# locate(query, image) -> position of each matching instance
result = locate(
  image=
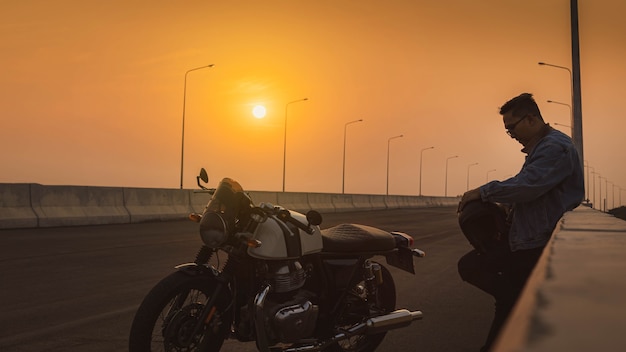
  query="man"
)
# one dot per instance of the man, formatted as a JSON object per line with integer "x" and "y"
{"x": 549, "y": 184}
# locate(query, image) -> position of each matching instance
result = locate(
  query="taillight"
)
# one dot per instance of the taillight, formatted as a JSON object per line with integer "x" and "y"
{"x": 402, "y": 239}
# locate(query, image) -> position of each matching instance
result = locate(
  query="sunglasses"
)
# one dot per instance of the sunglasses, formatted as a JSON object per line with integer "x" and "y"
{"x": 511, "y": 127}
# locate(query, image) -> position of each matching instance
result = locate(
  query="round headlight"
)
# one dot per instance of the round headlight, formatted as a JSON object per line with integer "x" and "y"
{"x": 213, "y": 230}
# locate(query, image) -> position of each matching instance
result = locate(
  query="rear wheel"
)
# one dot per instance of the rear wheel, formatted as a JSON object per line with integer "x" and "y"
{"x": 359, "y": 308}
{"x": 168, "y": 315}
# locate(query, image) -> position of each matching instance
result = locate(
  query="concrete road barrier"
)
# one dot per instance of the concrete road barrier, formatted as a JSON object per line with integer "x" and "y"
{"x": 378, "y": 202}
{"x": 342, "y": 202}
{"x": 149, "y": 204}
{"x": 77, "y": 205}
{"x": 361, "y": 202}
{"x": 322, "y": 202}
{"x": 15, "y": 206}
{"x": 34, "y": 205}
{"x": 294, "y": 201}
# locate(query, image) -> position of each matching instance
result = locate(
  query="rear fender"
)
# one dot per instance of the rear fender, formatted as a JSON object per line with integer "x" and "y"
{"x": 402, "y": 256}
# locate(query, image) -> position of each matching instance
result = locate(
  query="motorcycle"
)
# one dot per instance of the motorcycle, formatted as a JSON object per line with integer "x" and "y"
{"x": 286, "y": 284}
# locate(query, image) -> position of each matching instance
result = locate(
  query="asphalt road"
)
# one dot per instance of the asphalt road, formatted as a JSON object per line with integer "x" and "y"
{"x": 77, "y": 288}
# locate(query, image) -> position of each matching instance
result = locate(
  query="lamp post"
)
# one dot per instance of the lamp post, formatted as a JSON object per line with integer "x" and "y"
{"x": 593, "y": 201}
{"x": 586, "y": 163}
{"x": 421, "y": 154}
{"x": 487, "y": 176}
{"x": 285, "y": 139}
{"x": 576, "y": 115}
{"x": 343, "y": 176}
{"x": 468, "y": 170}
{"x": 388, "y": 143}
{"x": 182, "y": 148}
{"x": 446, "y": 187}
{"x": 612, "y": 195}
{"x": 562, "y": 125}
{"x": 600, "y": 184}
{"x": 571, "y": 114}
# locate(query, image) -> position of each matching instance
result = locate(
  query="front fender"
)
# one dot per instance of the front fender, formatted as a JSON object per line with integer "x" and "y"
{"x": 193, "y": 269}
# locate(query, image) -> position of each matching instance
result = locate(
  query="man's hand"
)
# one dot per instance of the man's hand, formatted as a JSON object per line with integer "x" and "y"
{"x": 469, "y": 196}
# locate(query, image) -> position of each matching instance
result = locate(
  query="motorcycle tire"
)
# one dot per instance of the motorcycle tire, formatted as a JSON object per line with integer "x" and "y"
{"x": 165, "y": 319}
{"x": 386, "y": 303}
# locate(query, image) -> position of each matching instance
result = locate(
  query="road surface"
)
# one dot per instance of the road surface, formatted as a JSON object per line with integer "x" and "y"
{"x": 77, "y": 288}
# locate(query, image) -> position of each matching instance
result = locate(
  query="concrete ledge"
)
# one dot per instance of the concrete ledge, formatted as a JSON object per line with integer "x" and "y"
{"x": 362, "y": 202}
{"x": 34, "y": 205}
{"x": 147, "y": 204}
{"x": 293, "y": 201}
{"x": 343, "y": 202}
{"x": 15, "y": 208}
{"x": 76, "y": 205}
{"x": 322, "y": 202}
{"x": 574, "y": 299}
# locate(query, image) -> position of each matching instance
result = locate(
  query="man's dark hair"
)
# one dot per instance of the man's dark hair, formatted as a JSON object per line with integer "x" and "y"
{"x": 522, "y": 105}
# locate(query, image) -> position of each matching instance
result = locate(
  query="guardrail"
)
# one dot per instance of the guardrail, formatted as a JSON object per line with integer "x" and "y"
{"x": 28, "y": 205}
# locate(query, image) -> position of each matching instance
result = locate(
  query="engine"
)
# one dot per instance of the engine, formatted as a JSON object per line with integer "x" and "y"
{"x": 289, "y": 309}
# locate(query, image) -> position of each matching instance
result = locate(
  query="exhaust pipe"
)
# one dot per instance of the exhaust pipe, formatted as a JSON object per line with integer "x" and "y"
{"x": 394, "y": 320}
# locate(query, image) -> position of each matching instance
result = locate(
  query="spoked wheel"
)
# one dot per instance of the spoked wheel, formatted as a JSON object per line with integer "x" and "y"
{"x": 359, "y": 309}
{"x": 167, "y": 319}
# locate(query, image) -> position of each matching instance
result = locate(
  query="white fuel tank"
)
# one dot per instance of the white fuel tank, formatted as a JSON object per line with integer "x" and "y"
{"x": 279, "y": 243}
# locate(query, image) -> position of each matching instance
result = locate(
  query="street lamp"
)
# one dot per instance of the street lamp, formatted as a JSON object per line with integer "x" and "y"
{"x": 421, "y": 153}
{"x": 562, "y": 125}
{"x": 600, "y": 184}
{"x": 487, "y": 177}
{"x": 388, "y": 143}
{"x": 577, "y": 127}
{"x": 593, "y": 201}
{"x": 182, "y": 148}
{"x": 588, "y": 180}
{"x": 343, "y": 176}
{"x": 468, "y": 170}
{"x": 285, "y": 139}
{"x": 447, "y": 159}
{"x": 571, "y": 114}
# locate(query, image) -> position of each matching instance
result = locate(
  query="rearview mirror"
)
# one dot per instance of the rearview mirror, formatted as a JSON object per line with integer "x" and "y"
{"x": 204, "y": 177}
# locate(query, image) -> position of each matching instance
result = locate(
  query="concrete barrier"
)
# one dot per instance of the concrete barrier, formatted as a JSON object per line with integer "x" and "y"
{"x": 198, "y": 200}
{"x": 16, "y": 210}
{"x": 148, "y": 204}
{"x": 322, "y": 202}
{"x": 294, "y": 201}
{"x": 34, "y": 205}
{"x": 378, "y": 202}
{"x": 391, "y": 202}
{"x": 361, "y": 202}
{"x": 78, "y": 205}
{"x": 343, "y": 202}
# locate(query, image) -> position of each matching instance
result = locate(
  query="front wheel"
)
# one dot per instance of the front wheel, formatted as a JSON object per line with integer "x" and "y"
{"x": 169, "y": 314}
{"x": 360, "y": 306}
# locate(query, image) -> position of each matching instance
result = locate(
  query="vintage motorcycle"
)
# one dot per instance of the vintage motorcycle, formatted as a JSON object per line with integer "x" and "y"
{"x": 287, "y": 284}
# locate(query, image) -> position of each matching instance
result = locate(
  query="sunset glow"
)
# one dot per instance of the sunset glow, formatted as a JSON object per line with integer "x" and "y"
{"x": 92, "y": 92}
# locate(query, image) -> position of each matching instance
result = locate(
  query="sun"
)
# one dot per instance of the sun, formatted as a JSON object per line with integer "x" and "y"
{"x": 259, "y": 111}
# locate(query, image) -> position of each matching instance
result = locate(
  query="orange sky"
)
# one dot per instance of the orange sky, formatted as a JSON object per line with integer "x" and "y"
{"x": 92, "y": 91}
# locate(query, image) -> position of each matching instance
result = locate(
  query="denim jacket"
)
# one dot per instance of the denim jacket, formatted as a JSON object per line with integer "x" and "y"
{"x": 550, "y": 183}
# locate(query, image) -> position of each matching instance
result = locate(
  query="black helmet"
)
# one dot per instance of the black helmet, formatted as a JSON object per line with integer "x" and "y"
{"x": 484, "y": 225}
